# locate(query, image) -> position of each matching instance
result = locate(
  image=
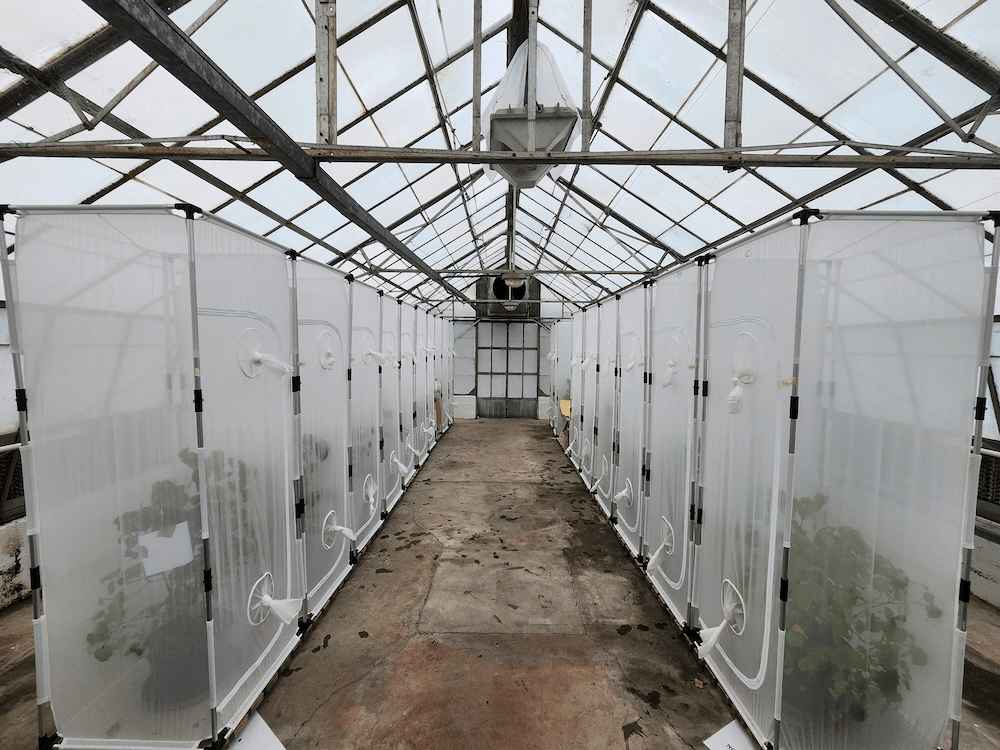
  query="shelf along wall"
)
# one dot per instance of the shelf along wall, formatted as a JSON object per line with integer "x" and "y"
{"x": 205, "y": 460}
{"x": 809, "y": 404}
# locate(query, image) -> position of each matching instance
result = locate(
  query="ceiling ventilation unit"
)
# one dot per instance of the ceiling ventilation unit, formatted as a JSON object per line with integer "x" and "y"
{"x": 510, "y": 125}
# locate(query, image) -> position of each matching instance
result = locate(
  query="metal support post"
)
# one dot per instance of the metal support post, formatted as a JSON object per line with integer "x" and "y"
{"x": 531, "y": 90}
{"x": 326, "y": 71}
{"x": 477, "y": 75}
{"x": 733, "y": 137}
{"x": 588, "y": 113}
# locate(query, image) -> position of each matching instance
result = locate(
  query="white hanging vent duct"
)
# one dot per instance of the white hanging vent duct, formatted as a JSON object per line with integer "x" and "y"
{"x": 509, "y": 124}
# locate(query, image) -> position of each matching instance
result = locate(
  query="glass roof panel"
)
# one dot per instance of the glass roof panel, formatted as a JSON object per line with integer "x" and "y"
{"x": 611, "y": 17}
{"x": 868, "y": 189}
{"x": 681, "y": 240}
{"x": 862, "y": 117}
{"x": 47, "y": 30}
{"x": 407, "y": 117}
{"x": 748, "y": 198}
{"x": 708, "y": 19}
{"x": 641, "y": 214}
{"x": 106, "y": 76}
{"x": 667, "y": 195}
{"x": 968, "y": 191}
{"x": 289, "y": 239}
{"x": 293, "y": 105}
{"x": 321, "y": 220}
{"x": 347, "y": 237}
{"x": 50, "y": 181}
{"x": 950, "y": 90}
{"x": 162, "y": 106}
{"x": 767, "y": 121}
{"x": 395, "y": 207}
{"x": 447, "y": 24}
{"x": 133, "y": 192}
{"x": 818, "y": 70}
{"x": 668, "y": 79}
{"x": 709, "y": 224}
{"x": 388, "y": 46}
{"x": 632, "y": 121}
{"x": 249, "y": 218}
{"x": 282, "y": 27}
{"x": 183, "y": 186}
{"x": 47, "y": 115}
{"x": 908, "y": 201}
{"x": 569, "y": 60}
{"x": 238, "y": 174}
{"x": 978, "y": 31}
{"x": 284, "y": 195}
{"x": 432, "y": 185}
{"x": 377, "y": 185}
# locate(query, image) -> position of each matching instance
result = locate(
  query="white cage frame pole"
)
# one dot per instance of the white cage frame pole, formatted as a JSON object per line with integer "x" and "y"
{"x": 353, "y": 554}
{"x": 965, "y": 581}
{"x": 793, "y": 415}
{"x": 213, "y": 691}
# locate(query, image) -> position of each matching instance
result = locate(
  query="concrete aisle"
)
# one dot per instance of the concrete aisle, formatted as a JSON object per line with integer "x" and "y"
{"x": 496, "y": 609}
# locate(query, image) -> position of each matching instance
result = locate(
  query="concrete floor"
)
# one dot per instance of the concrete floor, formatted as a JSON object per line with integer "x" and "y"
{"x": 496, "y": 609}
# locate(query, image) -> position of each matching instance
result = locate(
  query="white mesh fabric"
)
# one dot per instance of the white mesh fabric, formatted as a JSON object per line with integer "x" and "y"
{"x": 753, "y": 292}
{"x": 107, "y": 369}
{"x": 391, "y": 479}
{"x": 323, "y": 350}
{"x": 631, "y": 413}
{"x": 606, "y": 340}
{"x": 672, "y": 366}
{"x": 243, "y": 285}
{"x": 891, "y": 326}
{"x": 365, "y": 413}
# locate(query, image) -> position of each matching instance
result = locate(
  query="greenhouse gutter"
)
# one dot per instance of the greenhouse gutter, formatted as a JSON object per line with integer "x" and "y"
{"x": 152, "y": 31}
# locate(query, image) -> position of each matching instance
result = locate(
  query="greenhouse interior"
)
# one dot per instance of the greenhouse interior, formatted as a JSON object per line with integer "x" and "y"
{"x": 509, "y": 374}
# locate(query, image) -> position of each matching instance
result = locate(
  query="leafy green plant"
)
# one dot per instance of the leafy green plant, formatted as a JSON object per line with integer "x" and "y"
{"x": 136, "y": 605}
{"x": 849, "y": 651}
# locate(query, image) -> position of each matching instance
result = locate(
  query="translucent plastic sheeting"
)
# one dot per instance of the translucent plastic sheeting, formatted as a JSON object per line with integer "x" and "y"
{"x": 245, "y": 331}
{"x": 107, "y": 370}
{"x": 394, "y": 465}
{"x": 366, "y": 416}
{"x": 607, "y": 395}
{"x": 323, "y": 353}
{"x": 407, "y": 381}
{"x": 576, "y": 389}
{"x": 671, "y": 437}
{"x": 750, "y": 346}
{"x": 629, "y": 480}
{"x": 593, "y": 468}
{"x": 890, "y": 335}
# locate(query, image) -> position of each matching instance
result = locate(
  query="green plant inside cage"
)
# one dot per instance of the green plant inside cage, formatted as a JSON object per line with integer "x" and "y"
{"x": 850, "y": 649}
